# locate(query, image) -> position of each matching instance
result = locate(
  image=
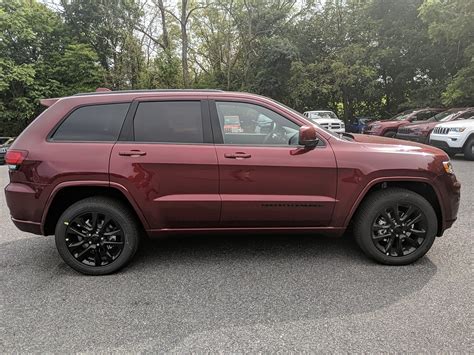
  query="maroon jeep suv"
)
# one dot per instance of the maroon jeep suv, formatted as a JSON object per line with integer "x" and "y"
{"x": 100, "y": 170}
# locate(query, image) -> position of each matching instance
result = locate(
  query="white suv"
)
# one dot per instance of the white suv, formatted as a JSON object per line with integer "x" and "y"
{"x": 326, "y": 119}
{"x": 455, "y": 137}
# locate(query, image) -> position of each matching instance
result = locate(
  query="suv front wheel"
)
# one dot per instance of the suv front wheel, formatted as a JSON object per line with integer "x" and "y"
{"x": 97, "y": 236}
{"x": 395, "y": 226}
{"x": 469, "y": 149}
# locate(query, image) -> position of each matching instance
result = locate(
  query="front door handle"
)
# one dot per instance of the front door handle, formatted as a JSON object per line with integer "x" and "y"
{"x": 132, "y": 153}
{"x": 238, "y": 155}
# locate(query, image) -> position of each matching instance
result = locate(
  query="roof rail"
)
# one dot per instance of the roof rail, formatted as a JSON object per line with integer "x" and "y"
{"x": 102, "y": 92}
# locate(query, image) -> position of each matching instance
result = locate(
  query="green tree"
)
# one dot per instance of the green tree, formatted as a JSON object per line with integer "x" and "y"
{"x": 37, "y": 61}
{"x": 451, "y": 27}
{"x": 107, "y": 26}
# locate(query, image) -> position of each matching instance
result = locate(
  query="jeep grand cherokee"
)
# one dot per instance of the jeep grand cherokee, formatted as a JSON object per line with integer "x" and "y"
{"x": 97, "y": 169}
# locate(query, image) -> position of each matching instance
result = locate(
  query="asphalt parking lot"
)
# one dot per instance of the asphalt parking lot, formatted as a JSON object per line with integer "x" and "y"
{"x": 240, "y": 294}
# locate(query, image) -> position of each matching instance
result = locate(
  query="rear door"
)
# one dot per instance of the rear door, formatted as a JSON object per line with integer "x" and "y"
{"x": 166, "y": 160}
{"x": 266, "y": 179}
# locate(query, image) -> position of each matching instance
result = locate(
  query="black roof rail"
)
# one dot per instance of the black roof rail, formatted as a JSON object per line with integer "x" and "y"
{"x": 145, "y": 91}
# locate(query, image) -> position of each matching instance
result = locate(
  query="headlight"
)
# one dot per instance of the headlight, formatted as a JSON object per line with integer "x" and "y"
{"x": 448, "y": 167}
{"x": 457, "y": 129}
{"x": 375, "y": 126}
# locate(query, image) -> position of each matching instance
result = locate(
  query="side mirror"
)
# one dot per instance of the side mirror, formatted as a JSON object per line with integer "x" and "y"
{"x": 308, "y": 137}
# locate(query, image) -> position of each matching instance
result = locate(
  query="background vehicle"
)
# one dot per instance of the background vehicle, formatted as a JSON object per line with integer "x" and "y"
{"x": 97, "y": 169}
{"x": 420, "y": 132}
{"x": 388, "y": 128}
{"x": 327, "y": 120}
{"x": 4, "y": 139}
{"x": 358, "y": 124}
{"x": 4, "y": 147}
{"x": 455, "y": 137}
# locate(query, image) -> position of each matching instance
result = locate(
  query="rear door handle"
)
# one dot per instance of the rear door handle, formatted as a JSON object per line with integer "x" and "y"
{"x": 238, "y": 155}
{"x": 132, "y": 153}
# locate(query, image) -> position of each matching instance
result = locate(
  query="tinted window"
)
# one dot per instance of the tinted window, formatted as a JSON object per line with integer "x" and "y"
{"x": 243, "y": 123}
{"x": 169, "y": 121}
{"x": 93, "y": 123}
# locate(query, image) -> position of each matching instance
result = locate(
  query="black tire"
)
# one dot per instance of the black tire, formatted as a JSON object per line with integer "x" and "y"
{"x": 469, "y": 149}
{"x": 369, "y": 218}
{"x": 119, "y": 245}
{"x": 390, "y": 134}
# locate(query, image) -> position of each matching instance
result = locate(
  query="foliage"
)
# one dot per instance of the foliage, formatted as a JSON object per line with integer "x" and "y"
{"x": 357, "y": 57}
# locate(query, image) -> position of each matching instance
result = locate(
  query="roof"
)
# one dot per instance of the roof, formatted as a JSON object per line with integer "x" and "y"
{"x": 109, "y": 92}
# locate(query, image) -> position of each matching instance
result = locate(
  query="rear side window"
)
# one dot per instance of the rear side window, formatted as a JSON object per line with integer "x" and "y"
{"x": 93, "y": 123}
{"x": 169, "y": 122}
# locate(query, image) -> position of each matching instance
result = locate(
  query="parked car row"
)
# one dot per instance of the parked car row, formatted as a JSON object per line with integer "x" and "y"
{"x": 438, "y": 127}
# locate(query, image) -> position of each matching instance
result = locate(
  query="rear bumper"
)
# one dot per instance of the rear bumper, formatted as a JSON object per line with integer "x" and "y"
{"x": 28, "y": 226}
{"x": 412, "y": 138}
{"x": 25, "y": 205}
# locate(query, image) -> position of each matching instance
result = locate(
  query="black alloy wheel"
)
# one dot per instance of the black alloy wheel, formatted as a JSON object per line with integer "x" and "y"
{"x": 399, "y": 230}
{"x": 97, "y": 235}
{"x": 94, "y": 239}
{"x": 395, "y": 226}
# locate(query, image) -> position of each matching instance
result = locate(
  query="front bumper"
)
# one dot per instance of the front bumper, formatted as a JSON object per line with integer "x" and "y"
{"x": 441, "y": 144}
{"x": 452, "y": 140}
{"x": 449, "y": 189}
{"x": 373, "y": 133}
{"x": 413, "y": 138}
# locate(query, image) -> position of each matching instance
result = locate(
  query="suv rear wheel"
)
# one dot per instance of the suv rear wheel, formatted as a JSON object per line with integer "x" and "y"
{"x": 97, "y": 236}
{"x": 395, "y": 226}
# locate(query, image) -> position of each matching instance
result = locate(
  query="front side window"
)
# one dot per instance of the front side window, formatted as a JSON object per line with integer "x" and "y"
{"x": 250, "y": 124}
{"x": 95, "y": 123}
{"x": 169, "y": 122}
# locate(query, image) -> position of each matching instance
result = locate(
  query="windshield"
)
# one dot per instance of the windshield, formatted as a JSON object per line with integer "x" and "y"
{"x": 322, "y": 114}
{"x": 400, "y": 117}
{"x": 444, "y": 116}
{"x": 306, "y": 118}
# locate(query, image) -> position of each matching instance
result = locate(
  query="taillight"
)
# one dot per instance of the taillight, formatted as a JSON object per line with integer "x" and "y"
{"x": 14, "y": 158}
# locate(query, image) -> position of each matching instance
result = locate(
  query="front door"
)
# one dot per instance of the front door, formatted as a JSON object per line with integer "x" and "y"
{"x": 266, "y": 178}
{"x": 169, "y": 164}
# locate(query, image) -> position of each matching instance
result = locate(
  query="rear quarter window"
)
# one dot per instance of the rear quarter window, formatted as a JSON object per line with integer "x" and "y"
{"x": 94, "y": 123}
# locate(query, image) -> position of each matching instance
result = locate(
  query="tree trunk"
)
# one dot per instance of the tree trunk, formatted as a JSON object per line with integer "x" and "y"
{"x": 184, "y": 42}
{"x": 166, "y": 39}
{"x": 348, "y": 107}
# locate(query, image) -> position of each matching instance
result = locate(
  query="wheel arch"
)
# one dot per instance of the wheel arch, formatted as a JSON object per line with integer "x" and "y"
{"x": 470, "y": 136}
{"x": 66, "y": 194}
{"x": 422, "y": 187}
